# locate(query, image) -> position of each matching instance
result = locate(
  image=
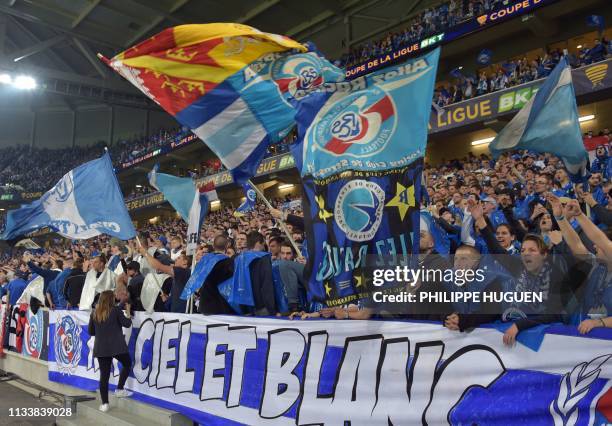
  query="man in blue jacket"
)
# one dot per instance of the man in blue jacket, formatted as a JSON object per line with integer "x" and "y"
{"x": 55, "y": 290}
{"x": 48, "y": 273}
{"x": 17, "y": 285}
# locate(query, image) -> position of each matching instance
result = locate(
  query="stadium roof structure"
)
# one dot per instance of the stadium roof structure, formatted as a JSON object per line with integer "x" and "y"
{"x": 57, "y": 40}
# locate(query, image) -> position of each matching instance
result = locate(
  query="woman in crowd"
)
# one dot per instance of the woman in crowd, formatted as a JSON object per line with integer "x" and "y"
{"x": 536, "y": 270}
{"x": 106, "y": 324}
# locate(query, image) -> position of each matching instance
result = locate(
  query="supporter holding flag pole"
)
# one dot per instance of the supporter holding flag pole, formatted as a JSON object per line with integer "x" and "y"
{"x": 86, "y": 202}
{"x": 199, "y": 209}
{"x": 548, "y": 123}
{"x": 190, "y": 202}
{"x": 282, "y": 224}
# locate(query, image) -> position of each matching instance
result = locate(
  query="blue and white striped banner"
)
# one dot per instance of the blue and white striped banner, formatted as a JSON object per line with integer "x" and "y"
{"x": 222, "y": 370}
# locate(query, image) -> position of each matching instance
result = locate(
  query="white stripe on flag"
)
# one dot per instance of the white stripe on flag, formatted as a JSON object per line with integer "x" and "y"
{"x": 238, "y": 156}
{"x": 211, "y": 133}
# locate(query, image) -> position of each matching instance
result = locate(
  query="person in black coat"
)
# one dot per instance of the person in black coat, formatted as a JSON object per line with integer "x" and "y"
{"x": 135, "y": 284}
{"x": 106, "y": 324}
{"x": 260, "y": 271}
{"x": 211, "y": 301}
{"x": 73, "y": 287}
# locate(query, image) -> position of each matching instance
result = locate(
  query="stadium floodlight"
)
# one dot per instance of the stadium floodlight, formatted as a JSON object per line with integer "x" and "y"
{"x": 24, "y": 82}
{"x": 6, "y": 79}
{"x": 482, "y": 141}
{"x": 285, "y": 186}
{"x": 586, "y": 118}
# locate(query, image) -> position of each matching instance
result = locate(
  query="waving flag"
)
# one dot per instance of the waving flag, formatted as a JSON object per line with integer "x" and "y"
{"x": 249, "y": 202}
{"x": 199, "y": 209}
{"x": 596, "y": 21}
{"x": 456, "y": 72}
{"x": 360, "y": 153}
{"x": 439, "y": 236}
{"x": 484, "y": 57}
{"x": 178, "y": 191}
{"x": 548, "y": 123}
{"x": 86, "y": 202}
{"x": 220, "y": 80}
{"x": 202, "y": 269}
{"x": 190, "y": 202}
{"x": 34, "y": 289}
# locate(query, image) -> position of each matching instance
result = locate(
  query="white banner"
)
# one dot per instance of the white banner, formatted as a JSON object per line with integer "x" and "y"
{"x": 269, "y": 371}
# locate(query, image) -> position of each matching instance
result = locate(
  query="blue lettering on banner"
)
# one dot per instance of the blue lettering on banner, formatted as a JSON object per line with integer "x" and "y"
{"x": 264, "y": 371}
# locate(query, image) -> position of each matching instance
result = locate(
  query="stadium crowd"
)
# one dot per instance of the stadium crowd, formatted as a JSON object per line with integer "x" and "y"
{"x": 37, "y": 169}
{"x": 552, "y": 236}
{"x": 513, "y": 73}
{"x": 431, "y": 21}
{"x": 439, "y": 19}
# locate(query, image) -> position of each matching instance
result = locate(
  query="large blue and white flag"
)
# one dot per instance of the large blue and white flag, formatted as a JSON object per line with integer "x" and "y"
{"x": 229, "y": 83}
{"x": 178, "y": 191}
{"x": 86, "y": 202}
{"x": 249, "y": 202}
{"x": 360, "y": 153}
{"x": 548, "y": 123}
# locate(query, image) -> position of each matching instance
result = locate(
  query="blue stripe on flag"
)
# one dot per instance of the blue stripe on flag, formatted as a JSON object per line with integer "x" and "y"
{"x": 208, "y": 106}
{"x": 236, "y": 132}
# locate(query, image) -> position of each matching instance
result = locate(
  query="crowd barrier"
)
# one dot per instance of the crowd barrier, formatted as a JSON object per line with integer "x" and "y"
{"x": 226, "y": 369}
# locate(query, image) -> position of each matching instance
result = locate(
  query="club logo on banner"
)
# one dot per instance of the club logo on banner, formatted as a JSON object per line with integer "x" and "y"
{"x": 360, "y": 154}
{"x": 297, "y": 74}
{"x": 33, "y": 335}
{"x": 359, "y": 209}
{"x": 67, "y": 344}
{"x": 359, "y": 125}
{"x": 251, "y": 195}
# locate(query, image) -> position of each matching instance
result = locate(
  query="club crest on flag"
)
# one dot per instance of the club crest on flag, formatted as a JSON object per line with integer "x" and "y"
{"x": 295, "y": 75}
{"x": 358, "y": 125}
{"x": 359, "y": 208}
{"x": 251, "y": 195}
{"x": 67, "y": 344}
{"x": 33, "y": 334}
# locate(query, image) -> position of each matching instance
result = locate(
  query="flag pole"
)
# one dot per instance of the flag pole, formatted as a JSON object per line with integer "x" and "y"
{"x": 189, "y": 308}
{"x": 280, "y": 221}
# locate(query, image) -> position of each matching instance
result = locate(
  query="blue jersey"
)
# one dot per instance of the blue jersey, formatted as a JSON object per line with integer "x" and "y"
{"x": 15, "y": 289}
